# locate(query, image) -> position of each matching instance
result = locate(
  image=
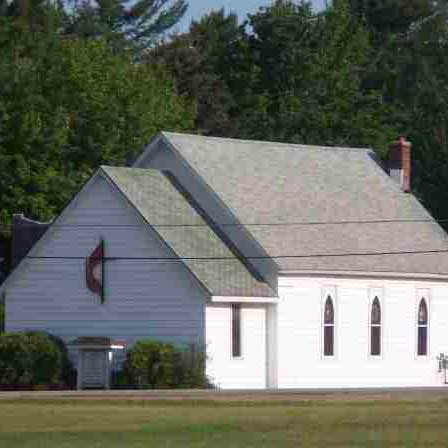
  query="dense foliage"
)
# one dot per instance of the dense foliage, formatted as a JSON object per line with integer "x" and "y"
{"x": 32, "y": 360}
{"x": 295, "y": 76}
{"x": 67, "y": 106}
{"x": 157, "y": 365}
{"x": 2, "y": 317}
{"x": 137, "y": 26}
{"x": 202, "y": 63}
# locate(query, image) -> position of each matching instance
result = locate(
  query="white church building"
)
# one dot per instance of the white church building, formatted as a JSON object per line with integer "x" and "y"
{"x": 295, "y": 266}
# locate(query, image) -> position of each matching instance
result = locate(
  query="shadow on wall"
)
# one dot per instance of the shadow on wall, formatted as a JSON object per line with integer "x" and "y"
{"x": 25, "y": 232}
{"x": 5, "y": 256}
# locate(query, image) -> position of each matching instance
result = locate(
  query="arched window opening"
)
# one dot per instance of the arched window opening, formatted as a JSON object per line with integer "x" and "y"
{"x": 422, "y": 329}
{"x": 375, "y": 328}
{"x": 329, "y": 327}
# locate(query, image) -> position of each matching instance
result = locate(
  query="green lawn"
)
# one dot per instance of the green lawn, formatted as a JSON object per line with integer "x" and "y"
{"x": 89, "y": 423}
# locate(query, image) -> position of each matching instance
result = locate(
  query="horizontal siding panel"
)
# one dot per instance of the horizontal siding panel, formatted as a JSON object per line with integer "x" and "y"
{"x": 149, "y": 326}
{"x": 149, "y": 322}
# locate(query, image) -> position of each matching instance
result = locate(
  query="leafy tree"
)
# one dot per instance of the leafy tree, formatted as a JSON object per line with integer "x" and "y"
{"x": 421, "y": 82}
{"x": 391, "y": 16}
{"x": 308, "y": 82}
{"x": 287, "y": 74}
{"x": 68, "y": 105}
{"x": 408, "y": 63}
{"x": 33, "y": 15}
{"x": 140, "y": 25}
{"x": 201, "y": 62}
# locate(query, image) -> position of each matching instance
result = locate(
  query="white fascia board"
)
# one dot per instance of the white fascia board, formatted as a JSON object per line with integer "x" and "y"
{"x": 241, "y": 299}
{"x": 366, "y": 274}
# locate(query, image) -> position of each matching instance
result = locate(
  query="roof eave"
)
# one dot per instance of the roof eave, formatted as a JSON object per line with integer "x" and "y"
{"x": 366, "y": 275}
{"x": 243, "y": 299}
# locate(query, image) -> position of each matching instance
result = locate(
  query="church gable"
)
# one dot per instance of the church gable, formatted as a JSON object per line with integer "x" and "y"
{"x": 142, "y": 298}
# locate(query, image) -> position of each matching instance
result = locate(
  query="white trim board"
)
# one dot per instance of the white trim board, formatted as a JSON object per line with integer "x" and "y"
{"x": 237, "y": 299}
{"x": 366, "y": 274}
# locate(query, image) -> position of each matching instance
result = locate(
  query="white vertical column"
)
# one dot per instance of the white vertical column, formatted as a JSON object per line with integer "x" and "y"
{"x": 271, "y": 346}
{"x": 107, "y": 364}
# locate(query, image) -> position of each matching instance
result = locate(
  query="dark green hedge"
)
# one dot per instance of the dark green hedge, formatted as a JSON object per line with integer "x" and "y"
{"x": 2, "y": 317}
{"x": 158, "y": 365}
{"x": 33, "y": 360}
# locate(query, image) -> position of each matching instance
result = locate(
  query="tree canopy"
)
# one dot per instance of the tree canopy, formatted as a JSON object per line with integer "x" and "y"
{"x": 140, "y": 24}
{"x": 286, "y": 74}
{"x": 67, "y": 106}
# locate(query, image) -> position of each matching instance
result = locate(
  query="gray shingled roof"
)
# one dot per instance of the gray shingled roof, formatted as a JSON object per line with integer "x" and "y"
{"x": 272, "y": 183}
{"x": 164, "y": 208}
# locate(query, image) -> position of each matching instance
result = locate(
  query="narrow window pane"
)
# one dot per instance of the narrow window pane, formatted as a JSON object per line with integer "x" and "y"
{"x": 422, "y": 313}
{"x": 236, "y": 330}
{"x": 422, "y": 336}
{"x": 375, "y": 340}
{"x": 422, "y": 340}
{"x": 328, "y": 327}
{"x": 329, "y": 311}
{"x": 375, "y": 328}
{"x": 328, "y": 340}
{"x": 376, "y": 312}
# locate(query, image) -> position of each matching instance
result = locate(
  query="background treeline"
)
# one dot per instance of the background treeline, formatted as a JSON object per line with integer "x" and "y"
{"x": 85, "y": 83}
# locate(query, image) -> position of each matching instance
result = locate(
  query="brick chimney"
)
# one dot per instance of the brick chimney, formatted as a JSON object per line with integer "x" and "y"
{"x": 399, "y": 164}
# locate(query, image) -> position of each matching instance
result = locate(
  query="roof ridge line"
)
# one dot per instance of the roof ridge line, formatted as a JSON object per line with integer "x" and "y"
{"x": 265, "y": 142}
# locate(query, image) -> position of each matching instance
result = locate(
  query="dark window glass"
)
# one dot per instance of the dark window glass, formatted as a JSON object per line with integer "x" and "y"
{"x": 422, "y": 329}
{"x": 236, "y": 330}
{"x": 375, "y": 340}
{"x": 376, "y": 312}
{"x": 329, "y": 340}
{"x": 422, "y": 340}
{"x": 329, "y": 327}
{"x": 422, "y": 313}
{"x": 375, "y": 328}
{"x": 329, "y": 311}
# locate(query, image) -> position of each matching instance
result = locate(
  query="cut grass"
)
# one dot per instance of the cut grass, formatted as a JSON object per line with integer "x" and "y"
{"x": 68, "y": 423}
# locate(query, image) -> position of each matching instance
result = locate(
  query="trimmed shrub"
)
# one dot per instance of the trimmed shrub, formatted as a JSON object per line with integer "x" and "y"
{"x": 68, "y": 371}
{"x": 119, "y": 380}
{"x": 191, "y": 370}
{"x": 159, "y": 365}
{"x": 2, "y": 317}
{"x": 31, "y": 360}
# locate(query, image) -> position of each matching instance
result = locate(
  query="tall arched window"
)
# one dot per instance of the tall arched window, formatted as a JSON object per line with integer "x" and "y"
{"x": 422, "y": 328}
{"x": 329, "y": 327}
{"x": 375, "y": 328}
